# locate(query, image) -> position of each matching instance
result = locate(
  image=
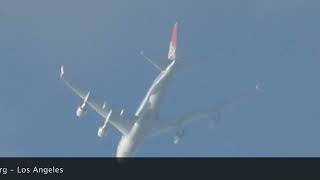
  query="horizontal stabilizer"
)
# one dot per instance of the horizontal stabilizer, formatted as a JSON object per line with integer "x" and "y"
{"x": 61, "y": 71}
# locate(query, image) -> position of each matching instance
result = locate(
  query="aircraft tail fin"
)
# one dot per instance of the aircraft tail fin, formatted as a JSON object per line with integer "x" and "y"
{"x": 173, "y": 43}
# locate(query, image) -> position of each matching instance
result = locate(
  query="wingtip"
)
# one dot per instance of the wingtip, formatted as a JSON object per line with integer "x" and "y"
{"x": 61, "y": 71}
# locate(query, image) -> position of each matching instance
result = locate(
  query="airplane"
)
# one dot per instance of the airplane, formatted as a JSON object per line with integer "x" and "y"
{"x": 145, "y": 122}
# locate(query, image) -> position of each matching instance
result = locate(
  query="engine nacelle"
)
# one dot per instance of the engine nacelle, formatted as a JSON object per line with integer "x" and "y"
{"x": 80, "y": 111}
{"x": 101, "y": 132}
{"x": 102, "y": 129}
{"x": 179, "y": 135}
{"x": 176, "y": 140}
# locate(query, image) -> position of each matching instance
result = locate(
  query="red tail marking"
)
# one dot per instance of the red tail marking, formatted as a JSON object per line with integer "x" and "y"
{"x": 173, "y": 43}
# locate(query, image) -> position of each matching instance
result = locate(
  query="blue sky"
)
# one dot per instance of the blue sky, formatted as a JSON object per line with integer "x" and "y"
{"x": 227, "y": 47}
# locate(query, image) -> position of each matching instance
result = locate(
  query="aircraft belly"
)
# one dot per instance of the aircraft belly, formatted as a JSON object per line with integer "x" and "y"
{"x": 153, "y": 100}
{"x": 129, "y": 143}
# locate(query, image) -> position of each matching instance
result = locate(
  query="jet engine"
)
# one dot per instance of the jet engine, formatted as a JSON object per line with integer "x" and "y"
{"x": 102, "y": 129}
{"x": 81, "y": 110}
{"x": 101, "y": 132}
{"x": 179, "y": 135}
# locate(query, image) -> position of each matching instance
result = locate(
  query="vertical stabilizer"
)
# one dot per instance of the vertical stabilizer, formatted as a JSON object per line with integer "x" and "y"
{"x": 173, "y": 43}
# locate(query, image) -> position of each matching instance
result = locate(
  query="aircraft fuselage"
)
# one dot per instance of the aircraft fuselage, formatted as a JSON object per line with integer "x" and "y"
{"x": 146, "y": 114}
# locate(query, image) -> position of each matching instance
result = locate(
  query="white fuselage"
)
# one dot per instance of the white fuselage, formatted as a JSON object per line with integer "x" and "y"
{"x": 146, "y": 114}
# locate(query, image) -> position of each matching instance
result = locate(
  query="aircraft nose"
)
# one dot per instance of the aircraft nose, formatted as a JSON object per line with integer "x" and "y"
{"x": 124, "y": 148}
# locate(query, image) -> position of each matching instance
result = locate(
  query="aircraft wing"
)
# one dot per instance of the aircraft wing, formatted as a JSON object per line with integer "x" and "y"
{"x": 212, "y": 113}
{"x": 119, "y": 122}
